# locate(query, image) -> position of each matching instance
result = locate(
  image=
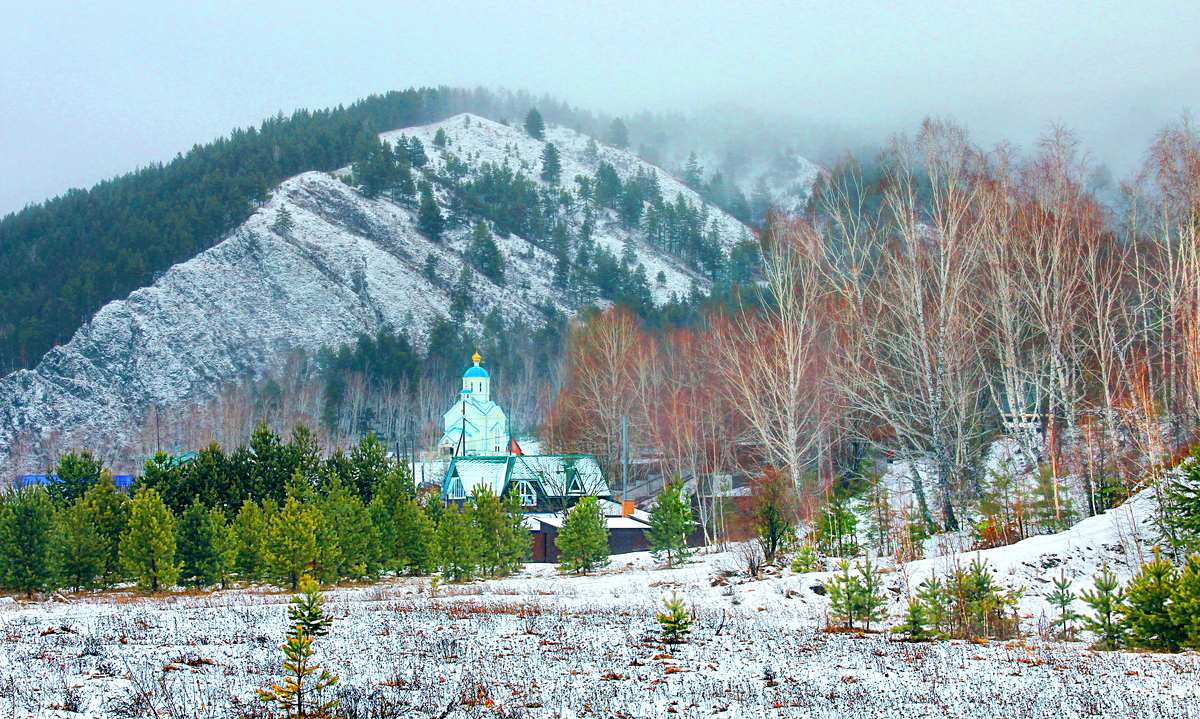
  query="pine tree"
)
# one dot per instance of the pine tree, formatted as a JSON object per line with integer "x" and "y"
{"x": 551, "y": 164}
{"x": 108, "y": 510}
{"x": 487, "y": 519}
{"x": 79, "y": 549}
{"x": 457, "y": 545}
{"x": 439, "y": 138}
{"x": 916, "y": 622}
{"x": 368, "y": 466}
{"x": 291, "y": 542}
{"x": 1185, "y": 603}
{"x": 307, "y": 610}
{"x": 224, "y": 547}
{"x": 676, "y": 623}
{"x": 534, "y": 125}
{"x": 670, "y": 523}
{"x": 1147, "y": 611}
{"x": 1061, "y": 599}
{"x": 283, "y": 220}
{"x": 807, "y": 559}
{"x": 871, "y": 604}
{"x": 516, "y": 544}
{"x": 590, "y": 153}
{"x": 358, "y": 537}
{"x": 485, "y": 254}
{"x": 26, "y": 532}
{"x": 693, "y": 175}
{"x": 1106, "y": 602}
{"x": 250, "y": 540}
{"x": 937, "y": 602}
{"x": 295, "y": 697}
{"x": 1181, "y": 505}
{"x": 416, "y": 153}
{"x": 842, "y": 588}
{"x": 583, "y": 540}
{"x": 429, "y": 216}
{"x": 148, "y": 545}
{"x": 76, "y": 472}
{"x": 196, "y": 549}
{"x": 618, "y": 135}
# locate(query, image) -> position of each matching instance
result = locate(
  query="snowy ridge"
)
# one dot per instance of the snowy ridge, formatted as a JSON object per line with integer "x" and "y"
{"x": 347, "y": 265}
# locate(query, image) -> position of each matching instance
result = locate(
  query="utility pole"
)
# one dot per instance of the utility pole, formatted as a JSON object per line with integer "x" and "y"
{"x": 624, "y": 462}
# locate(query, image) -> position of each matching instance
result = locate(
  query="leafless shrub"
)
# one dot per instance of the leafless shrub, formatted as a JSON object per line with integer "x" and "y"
{"x": 750, "y": 555}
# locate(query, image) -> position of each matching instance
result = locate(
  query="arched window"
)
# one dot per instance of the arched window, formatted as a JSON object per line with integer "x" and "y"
{"x": 526, "y": 493}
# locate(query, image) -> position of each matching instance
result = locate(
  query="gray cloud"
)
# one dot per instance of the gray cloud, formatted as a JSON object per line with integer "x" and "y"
{"x": 90, "y": 90}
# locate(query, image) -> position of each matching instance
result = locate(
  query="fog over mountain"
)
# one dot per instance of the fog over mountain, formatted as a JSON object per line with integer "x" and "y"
{"x": 90, "y": 91}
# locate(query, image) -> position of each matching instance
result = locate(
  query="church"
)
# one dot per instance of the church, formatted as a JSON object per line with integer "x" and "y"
{"x": 482, "y": 454}
{"x": 475, "y": 425}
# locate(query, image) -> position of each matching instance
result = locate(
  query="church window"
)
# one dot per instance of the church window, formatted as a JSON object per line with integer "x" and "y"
{"x": 526, "y": 493}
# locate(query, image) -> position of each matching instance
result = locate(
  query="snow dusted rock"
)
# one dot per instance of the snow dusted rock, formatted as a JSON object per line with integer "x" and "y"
{"x": 346, "y": 265}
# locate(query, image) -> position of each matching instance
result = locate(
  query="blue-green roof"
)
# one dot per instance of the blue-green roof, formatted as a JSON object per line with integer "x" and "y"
{"x": 475, "y": 372}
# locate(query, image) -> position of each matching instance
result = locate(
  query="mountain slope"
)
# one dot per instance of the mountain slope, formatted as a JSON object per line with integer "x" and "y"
{"x": 346, "y": 265}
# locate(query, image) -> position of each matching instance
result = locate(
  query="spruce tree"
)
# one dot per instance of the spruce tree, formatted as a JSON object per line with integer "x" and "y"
{"x": 1185, "y": 603}
{"x": 670, "y": 523}
{"x": 429, "y": 216}
{"x": 457, "y": 545}
{"x": 108, "y": 510}
{"x": 1147, "y": 607}
{"x": 618, "y": 135}
{"x": 291, "y": 542}
{"x": 439, "y": 138}
{"x": 534, "y": 125}
{"x": 148, "y": 545}
{"x": 250, "y": 540}
{"x": 551, "y": 164}
{"x": 26, "y": 533}
{"x": 197, "y": 553}
{"x": 583, "y": 540}
{"x": 1106, "y": 601}
{"x": 79, "y": 549}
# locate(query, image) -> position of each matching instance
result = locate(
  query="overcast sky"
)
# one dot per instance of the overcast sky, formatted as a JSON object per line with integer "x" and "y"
{"x": 90, "y": 90}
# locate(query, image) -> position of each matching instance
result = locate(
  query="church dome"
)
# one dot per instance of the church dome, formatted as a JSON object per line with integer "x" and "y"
{"x": 475, "y": 372}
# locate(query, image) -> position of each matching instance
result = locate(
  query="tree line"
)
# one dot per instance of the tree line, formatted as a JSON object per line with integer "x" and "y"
{"x": 268, "y": 511}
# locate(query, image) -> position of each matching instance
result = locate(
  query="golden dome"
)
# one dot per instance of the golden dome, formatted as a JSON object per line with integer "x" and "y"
{"x": 476, "y": 358}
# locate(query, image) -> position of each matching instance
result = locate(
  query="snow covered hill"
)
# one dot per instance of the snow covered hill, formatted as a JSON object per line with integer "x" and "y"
{"x": 346, "y": 265}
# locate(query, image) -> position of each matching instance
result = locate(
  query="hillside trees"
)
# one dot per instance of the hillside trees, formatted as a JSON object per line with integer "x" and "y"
{"x": 551, "y": 165}
{"x": 534, "y": 124}
{"x": 618, "y": 134}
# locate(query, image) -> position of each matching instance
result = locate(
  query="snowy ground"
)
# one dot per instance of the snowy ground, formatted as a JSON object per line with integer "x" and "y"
{"x": 542, "y": 645}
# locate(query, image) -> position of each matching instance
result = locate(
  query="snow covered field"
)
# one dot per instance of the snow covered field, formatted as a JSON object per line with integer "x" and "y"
{"x": 543, "y": 645}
